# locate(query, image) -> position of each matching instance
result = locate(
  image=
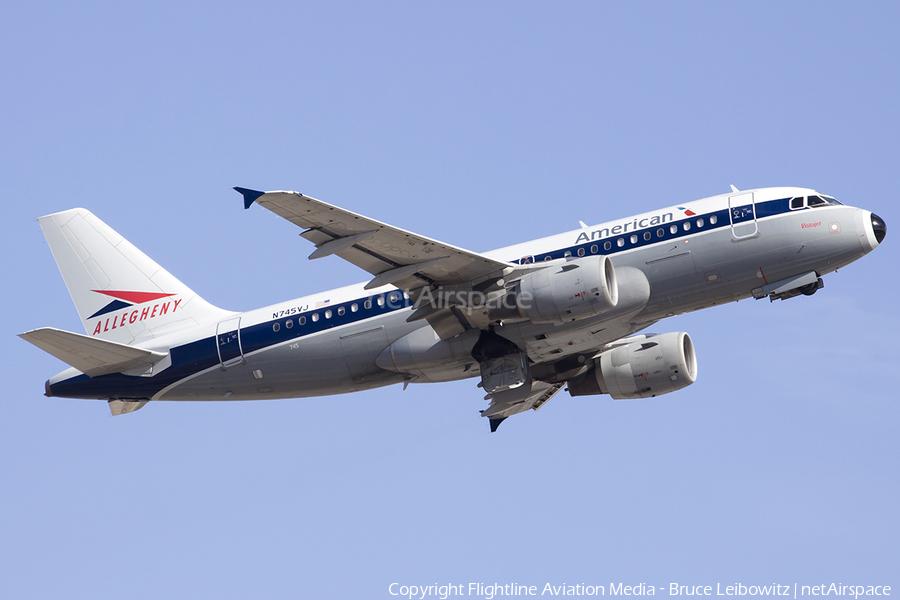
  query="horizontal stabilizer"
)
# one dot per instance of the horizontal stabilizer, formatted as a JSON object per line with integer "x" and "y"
{"x": 92, "y": 356}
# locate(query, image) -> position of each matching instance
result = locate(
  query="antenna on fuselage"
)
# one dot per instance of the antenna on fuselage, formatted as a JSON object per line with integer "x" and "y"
{"x": 583, "y": 226}
{"x": 734, "y": 189}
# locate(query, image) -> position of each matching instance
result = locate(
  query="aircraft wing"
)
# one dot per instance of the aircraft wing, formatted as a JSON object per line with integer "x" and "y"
{"x": 394, "y": 256}
{"x": 500, "y": 409}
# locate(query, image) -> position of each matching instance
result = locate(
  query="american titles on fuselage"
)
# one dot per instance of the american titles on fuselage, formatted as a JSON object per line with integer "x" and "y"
{"x": 634, "y": 225}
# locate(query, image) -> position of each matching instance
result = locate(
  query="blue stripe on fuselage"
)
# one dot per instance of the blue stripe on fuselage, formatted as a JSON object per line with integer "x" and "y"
{"x": 598, "y": 246}
{"x": 200, "y": 355}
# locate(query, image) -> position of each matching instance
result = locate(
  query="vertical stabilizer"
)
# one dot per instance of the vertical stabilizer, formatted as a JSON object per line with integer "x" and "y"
{"x": 120, "y": 294}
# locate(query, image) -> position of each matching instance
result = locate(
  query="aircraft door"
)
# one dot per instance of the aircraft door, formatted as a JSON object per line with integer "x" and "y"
{"x": 742, "y": 213}
{"x": 228, "y": 342}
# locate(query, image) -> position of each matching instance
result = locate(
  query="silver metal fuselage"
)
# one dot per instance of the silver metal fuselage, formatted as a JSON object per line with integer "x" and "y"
{"x": 699, "y": 255}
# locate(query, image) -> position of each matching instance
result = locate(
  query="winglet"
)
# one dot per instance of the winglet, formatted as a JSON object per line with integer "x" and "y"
{"x": 250, "y": 196}
{"x": 495, "y": 423}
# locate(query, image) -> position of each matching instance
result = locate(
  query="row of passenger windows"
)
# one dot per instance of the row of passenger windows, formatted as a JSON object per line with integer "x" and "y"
{"x": 660, "y": 233}
{"x": 341, "y": 311}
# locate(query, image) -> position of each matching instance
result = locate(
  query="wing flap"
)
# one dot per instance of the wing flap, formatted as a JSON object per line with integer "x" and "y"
{"x": 92, "y": 356}
{"x": 501, "y": 409}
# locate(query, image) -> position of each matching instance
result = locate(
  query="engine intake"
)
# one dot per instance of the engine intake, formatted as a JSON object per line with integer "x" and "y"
{"x": 649, "y": 366}
{"x": 577, "y": 289}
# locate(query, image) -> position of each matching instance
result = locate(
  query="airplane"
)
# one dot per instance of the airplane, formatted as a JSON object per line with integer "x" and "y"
{"x": 528, "y": 320}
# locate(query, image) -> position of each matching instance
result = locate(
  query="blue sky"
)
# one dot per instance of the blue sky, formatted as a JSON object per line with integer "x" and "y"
{"x": 482, "y": 125}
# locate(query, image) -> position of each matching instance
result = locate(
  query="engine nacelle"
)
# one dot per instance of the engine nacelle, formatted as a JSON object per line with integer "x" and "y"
{"x": 577, "y": 289}
{"x": 649, "y": 366}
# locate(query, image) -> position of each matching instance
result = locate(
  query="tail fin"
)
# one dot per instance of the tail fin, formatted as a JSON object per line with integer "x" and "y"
{"x": 121, "y": 295}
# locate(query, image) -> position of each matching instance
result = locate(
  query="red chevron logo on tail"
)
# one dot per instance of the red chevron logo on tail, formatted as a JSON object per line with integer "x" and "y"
{"x": 126, "y": 300}
{"x": 133, "y": 297}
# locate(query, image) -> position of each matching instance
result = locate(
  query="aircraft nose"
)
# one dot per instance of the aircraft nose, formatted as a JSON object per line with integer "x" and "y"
{"x": 879, "y": 227}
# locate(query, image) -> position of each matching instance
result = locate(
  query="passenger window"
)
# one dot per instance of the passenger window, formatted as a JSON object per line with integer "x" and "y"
{"x": 796, "y": 203}
{"x": 581, "y": 252}
{"x": 548, "y": 257}
{"x": 315, "y": 317}
{"x": 713, "y": 220}
{"x": 674, "y": 228}
{"x": 594, "y": 249}
{"x": 354, "y": 307}
{"x": 276, "y": 327}
{"x": 394, "y": 298}
{"x": 660, "y": 232}
{"x": 341, "y": 311}
{"x": 380, "y": 300}
{"x": 634, "y": 239}
{"x": 620, "y": 242}
{"x": 647, "y": 235}
{"x": 367, "y": 304}
{"x": 607, "y": 245}
{"x": 289, "y": 323}
{"x": 699, "y": 223}
{"x": 302, "y": 320}
{"x": 328, "y": 314}
{"x": 567, "y": 254}
{"x": 687, "y": 225}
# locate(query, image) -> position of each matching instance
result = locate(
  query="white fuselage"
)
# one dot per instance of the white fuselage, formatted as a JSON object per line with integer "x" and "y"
{"x": 701, "y": 254}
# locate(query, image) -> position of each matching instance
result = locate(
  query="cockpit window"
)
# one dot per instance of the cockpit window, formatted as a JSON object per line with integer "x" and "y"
{"x": 814, "y": 201}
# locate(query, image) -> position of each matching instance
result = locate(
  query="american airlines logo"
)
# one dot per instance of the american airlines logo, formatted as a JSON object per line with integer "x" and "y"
{"x": 126, "y": 300}
{"x": 630, "y": 226}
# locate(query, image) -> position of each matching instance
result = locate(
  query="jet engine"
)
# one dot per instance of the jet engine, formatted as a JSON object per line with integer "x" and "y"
{"x": 643, "y": 367}
{"x": 577, "y": 289}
